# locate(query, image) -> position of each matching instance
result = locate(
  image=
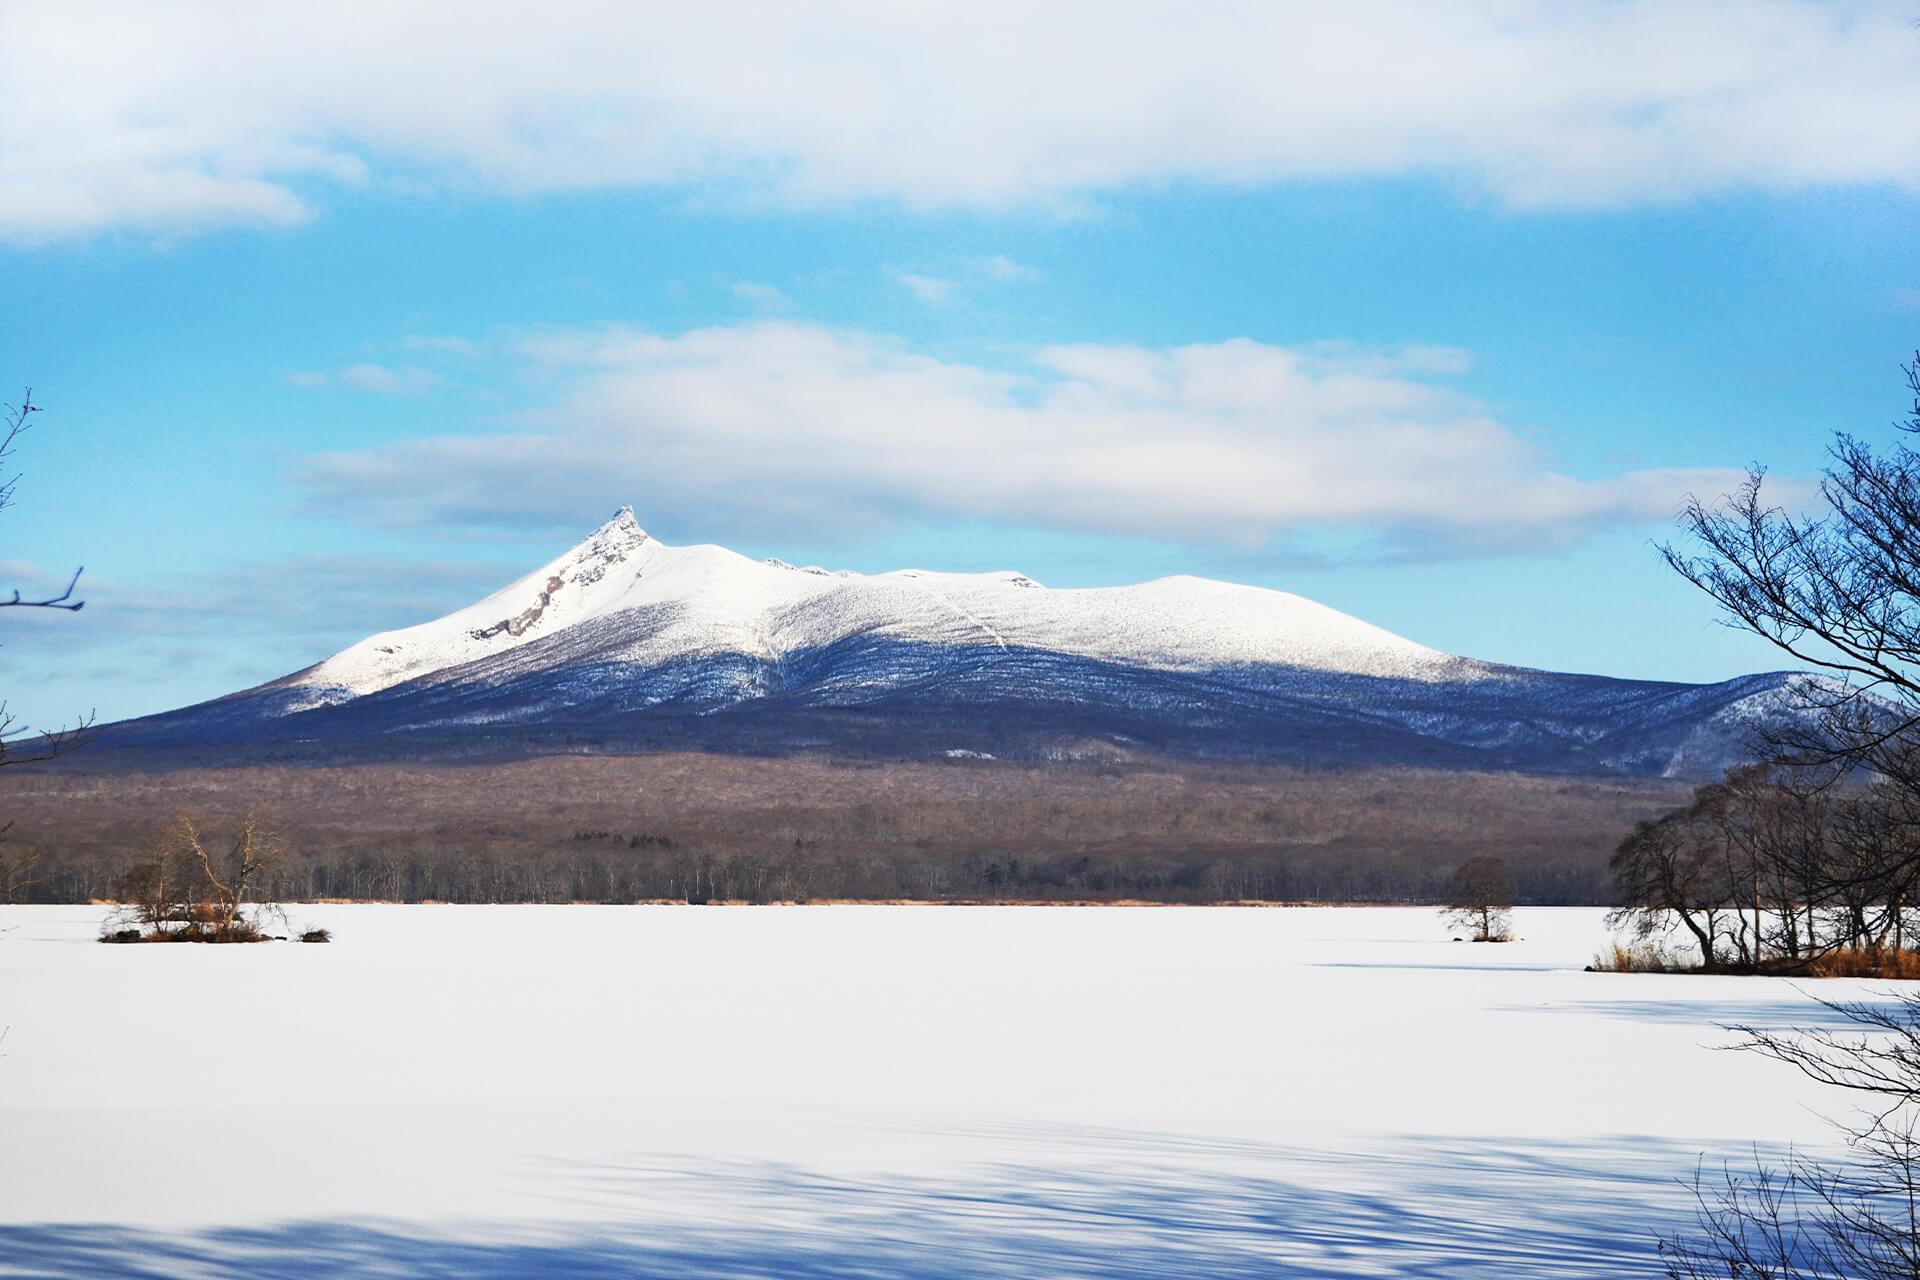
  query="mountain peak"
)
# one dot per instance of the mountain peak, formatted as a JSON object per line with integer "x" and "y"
{"x": 618, "y": 535}
{"x": 622, "y": 520}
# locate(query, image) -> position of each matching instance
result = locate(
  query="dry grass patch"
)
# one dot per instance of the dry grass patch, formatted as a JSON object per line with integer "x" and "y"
{"x": 1852, "y": 962}
{"x": 1640, "y": 957}
{"x": 1867, "y": 962}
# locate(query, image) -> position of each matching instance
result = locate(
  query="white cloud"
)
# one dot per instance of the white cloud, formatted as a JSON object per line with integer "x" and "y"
{"x": 786, "y": 428}
{"x": 306, "y": 379}
{"x": 390, "y": 380}
{"x": 199, "y": 113}
{"x": 931, "y": 290}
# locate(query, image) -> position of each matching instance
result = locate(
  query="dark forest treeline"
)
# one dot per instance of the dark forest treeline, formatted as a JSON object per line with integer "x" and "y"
{"x": 614, "y": 872}
{"x": 703, "y": 828}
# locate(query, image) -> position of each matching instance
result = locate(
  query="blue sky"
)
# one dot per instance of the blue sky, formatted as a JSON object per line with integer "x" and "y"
{"x": 339, "y": 325}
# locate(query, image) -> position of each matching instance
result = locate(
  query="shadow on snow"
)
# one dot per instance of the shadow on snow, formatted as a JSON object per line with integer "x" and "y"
{"x": 1107, "y": 1205}
{"x": 1806, "y": 1014}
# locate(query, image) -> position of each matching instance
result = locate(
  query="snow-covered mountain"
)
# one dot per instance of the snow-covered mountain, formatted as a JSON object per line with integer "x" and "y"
{"x": 625, "y": 642}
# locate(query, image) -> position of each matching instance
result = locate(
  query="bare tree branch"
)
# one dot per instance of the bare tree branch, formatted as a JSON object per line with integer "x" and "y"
{"x": 64, "y": 600}
{"x": 35, "y": 746}
{"x": 16, "y": 423}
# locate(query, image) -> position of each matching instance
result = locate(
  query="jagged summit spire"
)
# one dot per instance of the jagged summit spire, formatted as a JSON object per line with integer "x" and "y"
{"x": 619, "y": 531}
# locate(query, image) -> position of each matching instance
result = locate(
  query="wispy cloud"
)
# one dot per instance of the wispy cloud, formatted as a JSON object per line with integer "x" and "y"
{"x": 184, "y": 116}
{"x": 374, "y": 379}
{"x": 1005, "y": 270}
{"x": 390, "y": 380}
{"x": 439, "y": 343}
{"x": 765, "y": 297}
{"x": 931, "y": 290}
{"x": 769, "y": 428}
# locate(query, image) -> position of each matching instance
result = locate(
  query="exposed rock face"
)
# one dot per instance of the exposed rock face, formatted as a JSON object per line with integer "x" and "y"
{"x": 522, "y": 622}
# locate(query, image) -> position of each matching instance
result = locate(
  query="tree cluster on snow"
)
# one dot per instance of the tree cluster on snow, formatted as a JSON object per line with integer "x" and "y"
{"x": 1781, "y": 870}
{"x": 187, "y": 885}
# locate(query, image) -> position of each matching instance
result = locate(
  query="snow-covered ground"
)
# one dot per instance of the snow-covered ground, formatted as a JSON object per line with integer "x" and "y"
{"x": 866, "y": 1091}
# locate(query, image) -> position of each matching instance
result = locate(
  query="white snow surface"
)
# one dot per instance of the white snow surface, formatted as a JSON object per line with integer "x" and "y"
{"x": 723, "y": 602}
{"x": 865, "y": 1091}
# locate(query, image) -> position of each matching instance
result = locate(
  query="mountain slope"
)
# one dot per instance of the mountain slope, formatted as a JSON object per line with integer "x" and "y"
{"x": 624, "y": 642}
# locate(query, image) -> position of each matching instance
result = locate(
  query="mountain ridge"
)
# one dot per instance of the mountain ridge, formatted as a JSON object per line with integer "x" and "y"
{"x": 624, "y": 642}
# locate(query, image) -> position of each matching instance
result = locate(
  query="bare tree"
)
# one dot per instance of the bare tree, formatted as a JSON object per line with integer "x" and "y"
{"x": 29, "y": 746}
{"x": 1667, "y": 870}
{"x": 17, "y": 869}
{"x": 17, "y": 747}
{"x": 230, "y": 878}
{"x": 1839, "y": 592}
{"x": 1855, "y": 1221}
{"x": 1775, "y": 827}
{"x": 1480, "y": 898}
{"x": 153, "y": 892}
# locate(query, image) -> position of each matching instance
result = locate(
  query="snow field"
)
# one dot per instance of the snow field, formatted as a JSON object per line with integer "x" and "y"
{"x": 857, "y": 1090}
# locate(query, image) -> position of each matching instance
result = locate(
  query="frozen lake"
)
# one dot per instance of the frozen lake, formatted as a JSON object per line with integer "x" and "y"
{"x": 866, "y": 1091}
